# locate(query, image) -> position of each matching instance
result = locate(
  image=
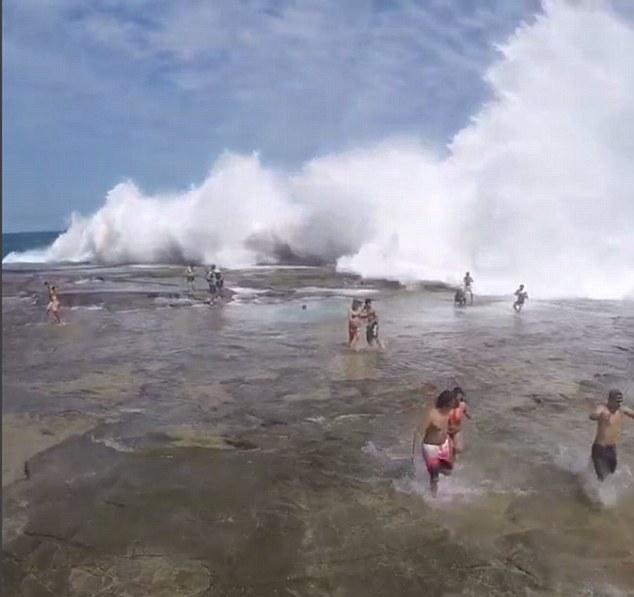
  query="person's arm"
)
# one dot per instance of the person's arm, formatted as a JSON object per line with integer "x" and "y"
{"x": 421, "y": 429}
{"x": 628, "y": 412}
{"x": 597, "y": 415}
{"x": 466, "y": 412}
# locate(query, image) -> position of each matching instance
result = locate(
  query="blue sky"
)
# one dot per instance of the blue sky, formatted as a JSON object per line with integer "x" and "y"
{"x": 96, "y": 91}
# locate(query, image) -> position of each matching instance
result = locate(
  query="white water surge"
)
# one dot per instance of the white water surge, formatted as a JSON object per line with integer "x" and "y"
{"x": 538, "y": 188}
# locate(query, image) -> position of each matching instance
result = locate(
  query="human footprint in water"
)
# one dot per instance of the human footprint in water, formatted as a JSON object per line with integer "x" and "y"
{"x": 609, "y": 418}
{"x": 437, "y": 445}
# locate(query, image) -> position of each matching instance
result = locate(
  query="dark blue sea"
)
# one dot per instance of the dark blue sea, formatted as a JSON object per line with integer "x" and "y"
{"x": 25, "y": 241}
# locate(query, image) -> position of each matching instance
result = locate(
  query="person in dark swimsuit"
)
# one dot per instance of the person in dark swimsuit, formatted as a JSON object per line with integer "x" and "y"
{"x": 371, "y": 320}
{"x": 211, "y": 280}
{"x": 521, "y": 296}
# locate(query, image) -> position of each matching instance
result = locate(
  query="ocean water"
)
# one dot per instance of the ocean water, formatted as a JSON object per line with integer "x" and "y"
{"x": 534, "y": 189}
{"x": 27, "y": 241}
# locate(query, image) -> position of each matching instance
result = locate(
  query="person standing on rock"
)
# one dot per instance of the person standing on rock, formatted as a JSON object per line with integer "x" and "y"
{"x": 211, "y": 281}
{"x": 468, "y": 289}
{"x": 53, "y": 308}
{"x": 609, "y": 418}
{"x": 220, "y": 281}
{"x": 371, "y": 320}
{"x": 190, "y": 276}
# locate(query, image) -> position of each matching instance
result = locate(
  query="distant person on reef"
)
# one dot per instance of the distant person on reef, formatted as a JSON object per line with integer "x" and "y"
{"x": 211, "y": 280}
{"x": 371, "y": 320}
{"x": 190, "y": 276}
{"x": 458, "y": 412}
{"x": 468, "y": 287}
{"x": 53, "y": 308}
{"x": 520, "y": 296}
{"x": 220, "y": 281}
{"x": 437, "y": 445}
{"x": 609, "y": 418}
{"x": 460, "y": 298}
{"x": 354, "y": 323}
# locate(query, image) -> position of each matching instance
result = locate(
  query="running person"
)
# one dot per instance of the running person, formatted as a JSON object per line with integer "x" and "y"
{"x": 521, "y": 296}
{"x": 52, "y": 308}
{"x": 372, "y": 323}
{"x": 458, "y": 412}
{"x": 609, "y": 418}
{"x": 468, "y": 281}
{"x": 437, "y": 446}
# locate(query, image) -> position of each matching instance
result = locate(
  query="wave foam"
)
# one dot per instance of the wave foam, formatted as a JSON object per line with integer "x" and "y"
{"x": 536, "y": 189}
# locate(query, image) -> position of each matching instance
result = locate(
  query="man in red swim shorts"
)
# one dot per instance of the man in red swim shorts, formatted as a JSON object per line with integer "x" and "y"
{"x": 437, "y": 447}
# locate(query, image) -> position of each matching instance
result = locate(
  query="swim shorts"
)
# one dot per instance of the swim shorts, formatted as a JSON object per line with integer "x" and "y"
{"x": 438, "y": 458}
{"x": 604, "y": 460}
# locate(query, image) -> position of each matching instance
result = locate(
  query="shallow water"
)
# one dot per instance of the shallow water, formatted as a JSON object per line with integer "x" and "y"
{"x": 241, "y": 449}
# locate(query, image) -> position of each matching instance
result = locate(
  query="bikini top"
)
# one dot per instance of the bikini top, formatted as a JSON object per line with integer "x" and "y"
{"x": 455, "y": 416}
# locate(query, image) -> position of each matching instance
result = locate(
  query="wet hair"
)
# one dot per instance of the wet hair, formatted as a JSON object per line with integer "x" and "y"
{"x": 615, "y": 395}
{"x": 445, "y": 399}
{"x": 458, "y": 391}
{"x": 368, "y": 301}
{"x": 355, "y": 303}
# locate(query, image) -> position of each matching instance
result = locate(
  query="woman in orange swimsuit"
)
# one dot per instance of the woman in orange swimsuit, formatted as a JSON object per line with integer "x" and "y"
{"x": 458, "y": 412}
{"x": 354, "y": 323}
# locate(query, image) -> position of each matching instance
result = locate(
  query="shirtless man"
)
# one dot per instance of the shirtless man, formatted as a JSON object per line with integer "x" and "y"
{"x": 521, "y": 295}
{"x": 437, "y": 444}
{"x": 609, "y": 418}
{"x": 371, "y": 320}
{"x": 468, "y": 281}
{"x": 458, "y": 412}
{"x": 354, "y": 323}
{"x": 53, "y": 303}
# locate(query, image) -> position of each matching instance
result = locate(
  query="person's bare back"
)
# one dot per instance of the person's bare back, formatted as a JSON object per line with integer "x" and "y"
{"x": 436, "y": 427}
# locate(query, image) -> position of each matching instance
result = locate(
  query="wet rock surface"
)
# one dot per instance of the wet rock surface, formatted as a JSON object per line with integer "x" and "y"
{"x": 242, "y": 450}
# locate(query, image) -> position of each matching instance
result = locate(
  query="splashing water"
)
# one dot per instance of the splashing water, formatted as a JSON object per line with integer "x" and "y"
{"x": 606, "y": 493}
{"x": 537, "y": 188}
